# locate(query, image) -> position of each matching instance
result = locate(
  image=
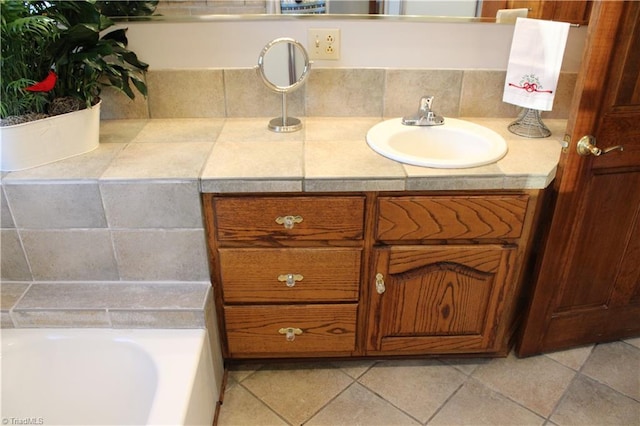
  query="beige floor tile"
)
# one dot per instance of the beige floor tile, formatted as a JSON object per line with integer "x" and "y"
{"x": 297, "y": 391}
{"x": 359, "y": 406}
{"x": 417, "y": 387}
{"x": 633, "y": 341}
{"x": 241, "y": 408}
{"x": 590, "y": 403}
{"x": 466, "y": 365}
{"x": 239, "y": 372}
{"x": 572, "y": 358}
{"x": 537, "y": 382}
{"x": 617, "y": 365}
{"x": 354, "y": 369}
{"x": 476, "y": 404}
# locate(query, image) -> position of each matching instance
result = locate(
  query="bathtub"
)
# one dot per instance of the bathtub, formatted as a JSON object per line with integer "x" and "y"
{"x": 106, "y": 377}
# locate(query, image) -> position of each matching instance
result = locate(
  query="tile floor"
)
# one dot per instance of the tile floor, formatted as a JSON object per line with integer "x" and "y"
{"x": 594, "y": 385}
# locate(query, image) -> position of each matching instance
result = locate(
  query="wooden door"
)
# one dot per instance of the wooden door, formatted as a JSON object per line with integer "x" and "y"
{"x": 439, "y": 299}
{"x": 588, "y": 286}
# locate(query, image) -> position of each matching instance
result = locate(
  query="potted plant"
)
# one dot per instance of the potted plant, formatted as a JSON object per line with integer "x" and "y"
{"x": 56, "y": 58}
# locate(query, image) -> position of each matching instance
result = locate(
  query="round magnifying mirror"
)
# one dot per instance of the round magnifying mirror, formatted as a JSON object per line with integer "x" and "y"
{"x": 283, "y": 66}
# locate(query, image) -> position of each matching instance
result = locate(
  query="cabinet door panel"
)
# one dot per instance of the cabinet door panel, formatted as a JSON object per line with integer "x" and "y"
{"x": 439, "y": 298}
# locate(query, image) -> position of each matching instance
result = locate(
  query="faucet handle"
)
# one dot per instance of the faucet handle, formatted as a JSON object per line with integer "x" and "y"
{"x": 425, "y": 103}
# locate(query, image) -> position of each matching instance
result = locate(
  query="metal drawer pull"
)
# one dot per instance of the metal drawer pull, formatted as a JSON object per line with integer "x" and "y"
{"x": 288, "y": 221}
{"x": 380, "y": 288}
{"x": 290, "y": 332}
{"x": 290, "y": 279}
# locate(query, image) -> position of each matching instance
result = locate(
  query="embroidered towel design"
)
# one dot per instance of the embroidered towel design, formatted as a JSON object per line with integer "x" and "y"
{"x": 534, "y": 65}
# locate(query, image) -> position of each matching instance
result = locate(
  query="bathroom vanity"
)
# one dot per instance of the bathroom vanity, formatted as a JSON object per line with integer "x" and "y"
{"x": 368, "y": 273}
{"x": 424, "y": 262}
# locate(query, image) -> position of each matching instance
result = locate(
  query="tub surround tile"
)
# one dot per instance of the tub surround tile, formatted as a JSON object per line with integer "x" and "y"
{"x": 161, "y": 255}
{"x": 13, "y": 261}
{"x": 10, "y": 294}
{"x": 157, "y": 319}
{"x": 111, "y": 304}
{"x": 180, "y": 130}
{"x": 117, "y": 105}
{"x": 119, "y": 131}
{"x": 5, "y": 320}
{"x": 61, "y": 318}
{"x": 142, "y": 204}
{"x": 128, "y": 296}
{"x": 248, "y": 96}
{"x": 6, "y": 219}
{"x": 89, "y": 166}
{"x": 159, "y": 161}
{"x": 70, "y": 254}
{"x": 186, "y": 93}
{"x": 57, "y": 205}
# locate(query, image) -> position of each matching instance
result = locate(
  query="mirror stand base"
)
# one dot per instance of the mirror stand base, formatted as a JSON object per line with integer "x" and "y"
{"x": 285, "y": 124}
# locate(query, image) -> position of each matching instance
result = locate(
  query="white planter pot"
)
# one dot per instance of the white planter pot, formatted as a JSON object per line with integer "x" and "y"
{"x": 33, "y": 144}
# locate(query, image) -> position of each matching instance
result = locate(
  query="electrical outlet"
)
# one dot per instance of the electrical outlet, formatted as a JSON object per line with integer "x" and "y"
{"x": 324, "y": 43}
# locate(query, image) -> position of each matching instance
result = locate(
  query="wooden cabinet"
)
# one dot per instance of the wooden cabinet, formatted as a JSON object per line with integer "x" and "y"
{"x": 368, "y": 274}
{"x": 446, "y": 276}
{"x": 286, "y": 273}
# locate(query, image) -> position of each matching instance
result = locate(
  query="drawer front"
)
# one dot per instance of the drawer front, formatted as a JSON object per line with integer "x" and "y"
{"x": 316, "y": 329}
{"x": 290, "y": 275}
{"x": 450, "y": 217}
{"x": 299, "y": 218}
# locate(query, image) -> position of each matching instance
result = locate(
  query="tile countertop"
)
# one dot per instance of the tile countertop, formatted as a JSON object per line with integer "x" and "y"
{"x": 328, "y": 154}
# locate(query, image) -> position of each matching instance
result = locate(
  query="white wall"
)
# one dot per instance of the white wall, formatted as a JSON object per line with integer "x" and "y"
{"x": 236, "y": 43}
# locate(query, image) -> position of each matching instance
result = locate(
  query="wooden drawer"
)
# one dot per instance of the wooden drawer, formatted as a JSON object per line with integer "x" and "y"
{"x": 254, "y": 331}
{"x": 450, "y": 217}
{"x": 260, "y": 275}
{"x": 322, "y": 218}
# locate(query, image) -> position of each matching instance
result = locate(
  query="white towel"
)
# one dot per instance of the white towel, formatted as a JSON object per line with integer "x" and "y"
{"x": 535, "y": 60}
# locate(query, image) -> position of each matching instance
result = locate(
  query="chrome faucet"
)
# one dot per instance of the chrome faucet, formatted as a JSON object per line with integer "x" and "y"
{"x": 425, "y": 116}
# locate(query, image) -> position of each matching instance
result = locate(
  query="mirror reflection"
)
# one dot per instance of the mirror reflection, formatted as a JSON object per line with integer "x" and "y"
{"x": 574, "y": 11}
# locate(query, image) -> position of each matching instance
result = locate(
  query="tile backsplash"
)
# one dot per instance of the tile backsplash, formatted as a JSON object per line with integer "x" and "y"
{"x": 329, "y": 92}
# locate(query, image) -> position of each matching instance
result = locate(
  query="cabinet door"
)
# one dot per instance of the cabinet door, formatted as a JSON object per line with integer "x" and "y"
{"x": 435, "y": 299}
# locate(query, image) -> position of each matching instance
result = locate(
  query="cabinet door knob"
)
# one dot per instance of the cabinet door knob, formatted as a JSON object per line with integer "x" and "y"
{"x": 290, "y": 333}
{"x": 290, "y": 279}
{"x": 380, "y": 288}
{"x": 288, "y": 221}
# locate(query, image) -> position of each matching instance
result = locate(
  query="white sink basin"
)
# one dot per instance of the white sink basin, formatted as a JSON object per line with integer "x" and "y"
{"x": 455, "y": 144}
